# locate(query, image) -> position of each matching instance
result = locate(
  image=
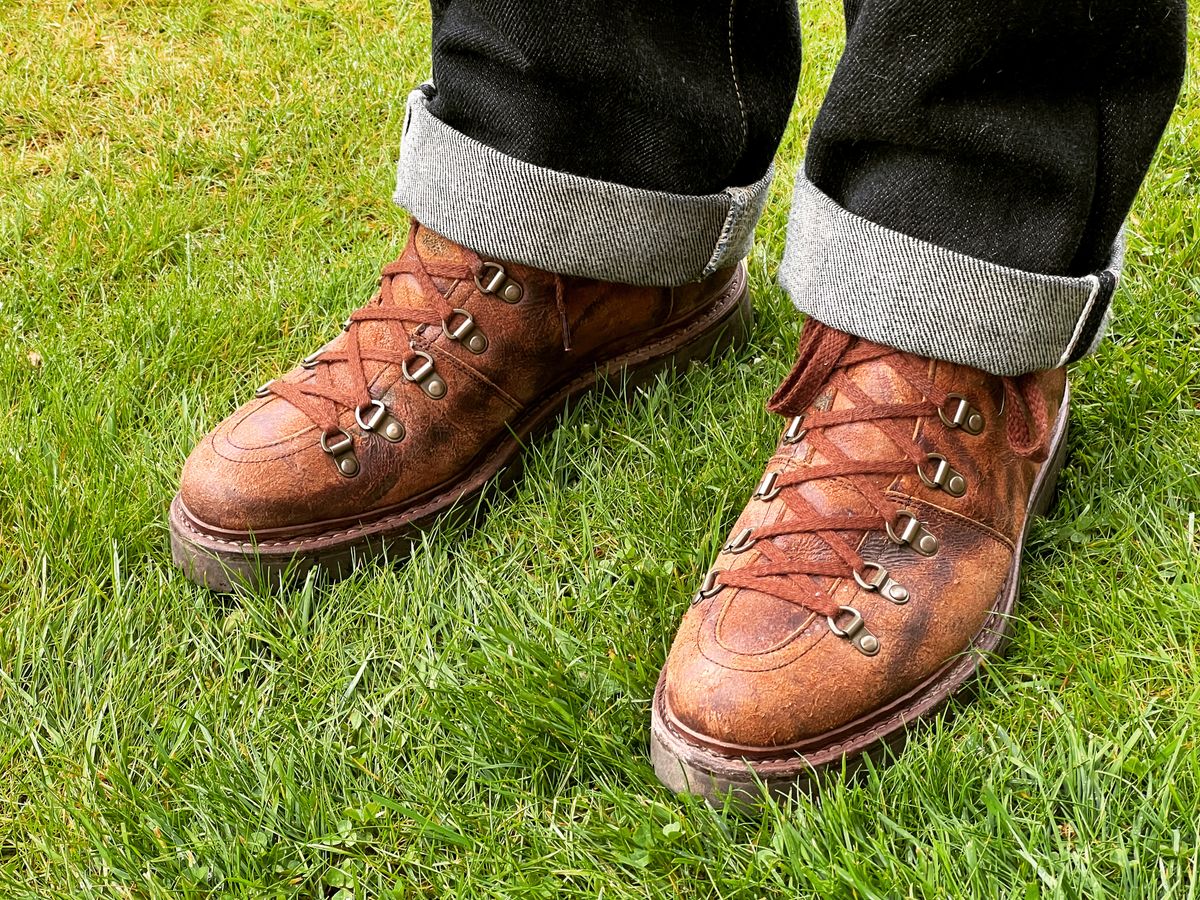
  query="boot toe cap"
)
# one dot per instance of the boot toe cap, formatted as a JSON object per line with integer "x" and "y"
{"x": 246, "y": 496}
{"x": 734, "y": 710}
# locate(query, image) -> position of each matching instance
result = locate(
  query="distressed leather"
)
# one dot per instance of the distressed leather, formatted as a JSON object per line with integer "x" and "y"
{"x": 752, "y": 674}
{"x": 263, "y": 467}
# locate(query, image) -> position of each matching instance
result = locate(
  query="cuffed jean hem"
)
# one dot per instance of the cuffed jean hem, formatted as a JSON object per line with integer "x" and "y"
{"x": 511, "y": 210}
{"x": 887, "y": 287}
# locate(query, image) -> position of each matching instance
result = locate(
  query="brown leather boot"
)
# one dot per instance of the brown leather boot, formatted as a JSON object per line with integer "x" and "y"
{"x": 873, "y": 568}
{"x": 428, "y": 394}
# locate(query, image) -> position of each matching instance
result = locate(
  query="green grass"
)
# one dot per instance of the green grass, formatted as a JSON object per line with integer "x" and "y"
{"x": 192, "y": 193}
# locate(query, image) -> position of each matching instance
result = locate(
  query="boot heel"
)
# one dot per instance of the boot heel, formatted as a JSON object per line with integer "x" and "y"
{"x": 1047, "y": 487}
{"x": 728, "y": 331}
{"x": 731, "y": 333}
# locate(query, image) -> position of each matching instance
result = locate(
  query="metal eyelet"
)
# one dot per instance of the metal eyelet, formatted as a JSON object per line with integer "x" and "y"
{"x": 263, "y": 389}
{"x": 425, "y": 376}
{"x": 709, "y": 588}
{"x": 742, "y": 542}
{"x": 912, "y": 533}
{"x": 944, "y": 477}
{"x": 766, "y": 490}
{"x": 795, "y": 431}
{"x": 498, "y": 283}
{"x": 380, "y": 421}
{"x": 378, "y": 411}
{"x": 965, "y": 416}
{"x": 855, "y": 631}
{"x": 342, "y": 451}
{"x": 881, "y": 582}
{"x": 467, "y": 332}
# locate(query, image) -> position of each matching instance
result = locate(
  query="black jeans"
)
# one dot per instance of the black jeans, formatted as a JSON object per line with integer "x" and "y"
{"x": 1017, "y": 132}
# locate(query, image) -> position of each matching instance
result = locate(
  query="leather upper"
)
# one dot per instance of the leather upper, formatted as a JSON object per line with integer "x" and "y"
{"x": 264, "y": 468}
{"x": 750, "y": 671}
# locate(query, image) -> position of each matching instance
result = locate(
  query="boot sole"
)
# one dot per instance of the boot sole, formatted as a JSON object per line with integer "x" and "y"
{"x": 687, "y": 768}
{"x": 220, "y": 559}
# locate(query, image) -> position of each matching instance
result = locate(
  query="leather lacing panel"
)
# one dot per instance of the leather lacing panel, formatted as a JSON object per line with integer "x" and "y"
{"x": 824, "y": 357}
{"x": 322, "y": 399}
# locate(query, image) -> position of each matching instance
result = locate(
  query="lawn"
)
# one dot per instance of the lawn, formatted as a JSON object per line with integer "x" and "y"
{"x": 192, "y": 195}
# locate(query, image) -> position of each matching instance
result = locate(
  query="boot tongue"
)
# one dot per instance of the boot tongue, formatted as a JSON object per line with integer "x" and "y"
{"x": 810, "y": 381}
{"x": 760, "y": 620}
{"x": 882, "y": 386}
{"x": 431, "y": 245}
{"x": 807, "y": 387}
{"x": 407, "y": 291}
{"x": 437, "y": 252}
{"x": 433, "y": 248}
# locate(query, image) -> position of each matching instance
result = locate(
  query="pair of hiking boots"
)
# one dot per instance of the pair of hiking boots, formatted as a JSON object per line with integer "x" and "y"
{"x": 874, "y": 565}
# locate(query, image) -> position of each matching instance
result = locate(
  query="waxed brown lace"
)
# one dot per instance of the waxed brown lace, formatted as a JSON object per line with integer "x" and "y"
{"x": 823, "y": 358}
{"x": 321, "y": 400}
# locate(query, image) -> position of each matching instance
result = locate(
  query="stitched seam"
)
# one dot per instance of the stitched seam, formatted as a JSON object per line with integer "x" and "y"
{"x": 470, "y": 371}
{"x": 796, "y": 636}
{"x": 779, "y": 647}
{"x": 251, "y": 450}
{"x": 959, "y": 518}
{"x": 1084, "y": 314}
{"x": 736, "y": 87}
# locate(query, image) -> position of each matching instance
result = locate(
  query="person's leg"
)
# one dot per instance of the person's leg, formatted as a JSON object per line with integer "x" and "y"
{"x": 1013, "y": 134}
{"x": 624, "y": 141}
{"x": 675, "y": 96}
{"x": 957, "y": 233}
{"x": 586, "y": 177}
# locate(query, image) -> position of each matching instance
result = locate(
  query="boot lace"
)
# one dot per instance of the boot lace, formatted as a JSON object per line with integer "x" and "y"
{"x": 824, "y": 356}
{"x": 321, "y": 399}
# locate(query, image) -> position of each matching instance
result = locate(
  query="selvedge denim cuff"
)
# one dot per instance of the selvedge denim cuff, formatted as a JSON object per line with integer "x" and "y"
{"x": 896, "y": 290}
{"x": 502, "y": 207}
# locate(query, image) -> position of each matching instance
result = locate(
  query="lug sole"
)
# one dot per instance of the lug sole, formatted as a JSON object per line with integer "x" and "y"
{"x": 686, "y": 768}
{"x": 221, "y": 561}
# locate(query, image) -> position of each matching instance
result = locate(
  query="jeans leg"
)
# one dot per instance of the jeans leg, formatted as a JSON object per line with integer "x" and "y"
{"x": 969, "y": 172}
{"x": 626, "y": 141}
